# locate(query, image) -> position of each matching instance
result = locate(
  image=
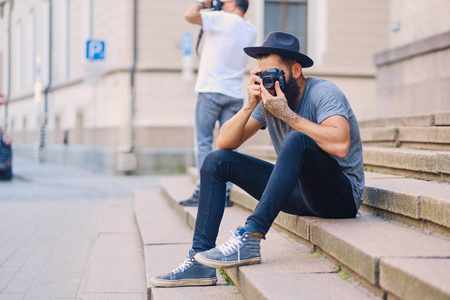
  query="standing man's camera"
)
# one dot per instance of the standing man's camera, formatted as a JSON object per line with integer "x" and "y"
{"x": 217, "y": 5}
{"x": 271, "y": 76}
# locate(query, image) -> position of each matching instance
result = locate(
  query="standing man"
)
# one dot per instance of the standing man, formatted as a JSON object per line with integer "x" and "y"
{"x": 220, "y": 73}
{"x": 318, "y": 172}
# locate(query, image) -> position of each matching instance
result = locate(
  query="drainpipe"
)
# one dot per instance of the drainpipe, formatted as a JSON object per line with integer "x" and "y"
{"x": 126, "y": 160}
{"x": 133, "y": 73}
{"x": 8, "y": 96}
{"x": 42, "y": 132}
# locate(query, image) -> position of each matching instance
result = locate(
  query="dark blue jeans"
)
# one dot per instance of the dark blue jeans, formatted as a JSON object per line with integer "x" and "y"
{"x": 305, "y": 181}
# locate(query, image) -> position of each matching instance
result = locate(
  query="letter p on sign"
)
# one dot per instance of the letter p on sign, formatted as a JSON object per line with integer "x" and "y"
{"x": 95, "y": 49}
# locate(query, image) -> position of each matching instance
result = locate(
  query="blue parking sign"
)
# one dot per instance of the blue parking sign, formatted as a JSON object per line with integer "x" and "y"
{"x": 95, "y": 49}
{"x": 187, "y": 43}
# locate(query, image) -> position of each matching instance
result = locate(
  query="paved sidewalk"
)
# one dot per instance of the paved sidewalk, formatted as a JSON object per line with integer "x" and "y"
{"x": 66, "y": 233}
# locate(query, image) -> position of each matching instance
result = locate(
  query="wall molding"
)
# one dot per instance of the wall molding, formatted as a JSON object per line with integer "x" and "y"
{"x": 429, "y": 45}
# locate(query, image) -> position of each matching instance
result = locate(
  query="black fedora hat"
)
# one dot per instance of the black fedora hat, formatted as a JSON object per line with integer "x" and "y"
{"x": 283, "y": 44}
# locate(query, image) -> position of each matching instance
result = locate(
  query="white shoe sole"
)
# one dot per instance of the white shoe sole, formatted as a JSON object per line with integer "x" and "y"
{"x": 226, "y": 264}
{"x": 183, "y": 282}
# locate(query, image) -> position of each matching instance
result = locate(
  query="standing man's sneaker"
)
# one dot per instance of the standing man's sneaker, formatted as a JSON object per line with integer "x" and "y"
{"x": 241, "y": 249}
{"x": 228, "y": 203}
{"x": 188, "y": 273}
{"x": 192, "y": 201}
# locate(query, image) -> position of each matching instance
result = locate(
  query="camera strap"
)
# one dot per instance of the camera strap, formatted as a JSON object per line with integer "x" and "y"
{"x": 200, "y": 35}
{"x": 216, "y": 5}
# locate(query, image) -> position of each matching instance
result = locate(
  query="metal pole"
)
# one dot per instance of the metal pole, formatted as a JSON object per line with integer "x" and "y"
{"x": 42, "y": 132}
{"x": 133, "y": 73}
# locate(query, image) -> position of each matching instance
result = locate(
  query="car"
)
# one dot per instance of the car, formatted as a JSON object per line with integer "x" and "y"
{"x": 5, "y": 156}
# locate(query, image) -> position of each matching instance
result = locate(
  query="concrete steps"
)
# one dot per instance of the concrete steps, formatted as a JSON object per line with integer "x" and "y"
{"x": 289, "y": 268}
{"x": 435, "y": 137}
{"x": 422, "y": 164}
{"x": 437, "y": 119}
{"x": 416, "y": 146}
{"x": 420, "y": 203}
{"x": 364, "y": 246}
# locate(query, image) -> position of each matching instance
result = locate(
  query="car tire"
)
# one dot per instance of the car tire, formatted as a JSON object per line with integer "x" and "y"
{"x": 7, "y": 174}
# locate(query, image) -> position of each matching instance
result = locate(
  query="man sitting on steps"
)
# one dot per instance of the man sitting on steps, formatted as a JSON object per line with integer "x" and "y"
{"x": 319, "y": 170}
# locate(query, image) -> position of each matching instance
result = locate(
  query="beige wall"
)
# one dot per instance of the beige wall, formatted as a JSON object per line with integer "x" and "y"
{"x": 356, "y": 30}
{"x": 418, "y": 19}
{"x": 413, "y": 75}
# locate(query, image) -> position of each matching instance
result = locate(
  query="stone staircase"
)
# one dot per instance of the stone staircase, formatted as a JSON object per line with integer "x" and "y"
{"x": 398, "y": 248}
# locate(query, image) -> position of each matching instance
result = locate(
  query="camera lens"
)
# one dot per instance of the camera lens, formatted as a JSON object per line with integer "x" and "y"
{"x": 268, "y": 82}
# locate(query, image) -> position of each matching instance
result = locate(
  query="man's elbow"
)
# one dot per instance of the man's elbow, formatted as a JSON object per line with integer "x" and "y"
{"x": 188, "y": 17}
{"x": 193, "y": 18}
{"x": 221, "y": 145}
{"x": 342, "y": 150}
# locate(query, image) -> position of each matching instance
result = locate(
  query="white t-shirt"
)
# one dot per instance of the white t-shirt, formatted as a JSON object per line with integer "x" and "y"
{"x": 223, "y": 61}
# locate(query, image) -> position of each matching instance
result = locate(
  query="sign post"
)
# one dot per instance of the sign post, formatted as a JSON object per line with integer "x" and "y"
{"x": 95, "y": 69}
{"x": 187, "y": 63}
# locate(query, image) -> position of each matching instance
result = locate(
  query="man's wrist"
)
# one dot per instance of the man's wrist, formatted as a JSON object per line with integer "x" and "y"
{"x": 202, "y": 3}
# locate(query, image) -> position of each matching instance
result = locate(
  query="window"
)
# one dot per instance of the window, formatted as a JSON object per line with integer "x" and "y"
{"x": 80, "y": 128}
{"x": 31, "y": 50}
{"x": 2, "y": 67}
{"x": 24, "y": 130}
{"x": 18, "y": 52}
{"x": 67, "y": 40}
{"x": 57, "y": 134}
{"x": 288, "y": 16}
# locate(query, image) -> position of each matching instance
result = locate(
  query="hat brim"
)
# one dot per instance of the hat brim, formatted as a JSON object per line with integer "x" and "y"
{"x": 302, "y": 59}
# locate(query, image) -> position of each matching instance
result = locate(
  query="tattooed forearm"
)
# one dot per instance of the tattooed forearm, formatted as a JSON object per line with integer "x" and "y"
{"x": 280, "y": 109}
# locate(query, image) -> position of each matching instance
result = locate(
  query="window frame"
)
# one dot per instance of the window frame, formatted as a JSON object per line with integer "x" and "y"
{"x": 283, "y": 15}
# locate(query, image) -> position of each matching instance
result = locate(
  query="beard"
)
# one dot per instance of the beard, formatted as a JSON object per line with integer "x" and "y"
{"x": 292, "y": 92}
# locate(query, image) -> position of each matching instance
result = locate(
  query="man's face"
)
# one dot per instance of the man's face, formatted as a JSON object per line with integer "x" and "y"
{"x": 228, "y": 6}
{"x": 292, "y": 90}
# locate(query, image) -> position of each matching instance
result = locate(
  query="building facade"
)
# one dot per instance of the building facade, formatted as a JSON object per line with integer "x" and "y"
{"x": 138, "y": 114}
{"x": 413, "y": 74}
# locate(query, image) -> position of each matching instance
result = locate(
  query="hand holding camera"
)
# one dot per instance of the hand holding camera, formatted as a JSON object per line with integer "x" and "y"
{"x": 276, "y": 102}
{"x": 271, "y": 76}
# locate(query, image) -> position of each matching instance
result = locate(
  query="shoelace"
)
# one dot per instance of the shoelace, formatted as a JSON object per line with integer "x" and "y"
{"x": 231, "y": 245}
{"x": 186, "y": 264}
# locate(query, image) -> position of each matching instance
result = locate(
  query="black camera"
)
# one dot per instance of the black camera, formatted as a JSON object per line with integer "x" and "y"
{"x": 271, "y": 76}
{"x": 217, "y": 4}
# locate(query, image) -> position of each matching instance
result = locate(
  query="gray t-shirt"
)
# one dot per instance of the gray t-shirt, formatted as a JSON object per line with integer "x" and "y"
{"x": 322, "y": 99}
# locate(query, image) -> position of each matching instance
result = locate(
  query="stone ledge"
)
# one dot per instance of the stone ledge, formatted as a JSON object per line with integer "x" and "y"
{"x": 419, "y": 120}
{"x": 418, "y": 199}
{"x": 428, "y": 45}
{"x": 379, "y": 134}
{"x": 431, "y": 137}
{"x": 420, "y": 161}
{"x": 417, "y": 278}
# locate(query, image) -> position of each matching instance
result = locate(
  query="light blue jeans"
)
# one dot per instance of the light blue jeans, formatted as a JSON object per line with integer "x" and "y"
{"x": 211, "y": 107}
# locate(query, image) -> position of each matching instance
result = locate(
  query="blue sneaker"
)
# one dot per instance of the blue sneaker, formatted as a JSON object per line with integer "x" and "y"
{"x": 188, "y": 273}
{"x": 241, "y": 249}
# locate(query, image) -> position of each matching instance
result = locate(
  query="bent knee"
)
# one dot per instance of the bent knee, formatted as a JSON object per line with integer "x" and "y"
{"x": 298, "y": 138}
{"x": 213, "y": 159}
